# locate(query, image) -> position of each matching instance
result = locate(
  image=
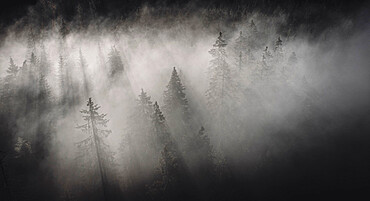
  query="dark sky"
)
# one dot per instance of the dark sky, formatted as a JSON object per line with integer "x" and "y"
{"x": 320, "y": 9}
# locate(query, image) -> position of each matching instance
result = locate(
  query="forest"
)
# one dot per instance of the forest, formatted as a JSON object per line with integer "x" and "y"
{"x": 177, "y": 103}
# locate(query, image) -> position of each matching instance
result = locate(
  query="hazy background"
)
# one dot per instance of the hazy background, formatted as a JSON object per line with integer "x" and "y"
{"x": 305, "y": 137}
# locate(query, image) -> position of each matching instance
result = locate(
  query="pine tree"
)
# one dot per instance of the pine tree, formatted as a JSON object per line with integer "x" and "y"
{"x": 31, "y": 42}
{"x": 176, "y": 109}
{"x": 94, "y": 152}
{"x": 44, "y": 95}
{"x": 239, "y": 52}
{"x": 175, "y": 101}
{"x": 9, "y": 86}
{"x": 222, "y": 87}
{"x": 62, "y": 81}
{"x": 45, "y": 124}
{"x": 278, "y": 45}
{"x": 159, "y": 125}
{"x": 253, "y": 36}
{"x": 33, "y": 67}
{"x": 203, "y": 145}
{"x": 137, "y": 145}
{"x": 116, "y": 65}
{"x": 253, "y": 28}
{"x": 141, "y": 121}
{"x": 278, "y": 50}
{"x": 266, "y": 68}
{"x": 63, "y": 30}
{"x": 172, "y": 180}
{"x": 203, "y": 155}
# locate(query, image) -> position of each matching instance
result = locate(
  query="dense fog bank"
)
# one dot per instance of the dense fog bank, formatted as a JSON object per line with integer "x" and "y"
{"x": 209, "y": 105}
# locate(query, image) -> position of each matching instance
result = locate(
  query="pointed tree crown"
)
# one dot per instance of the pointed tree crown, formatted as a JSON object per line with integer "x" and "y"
{"x": 12, "y": 69}
{"x": 220, "y": 42}
{"x": 157, "y": 116}
{"x": 174, "y": 96}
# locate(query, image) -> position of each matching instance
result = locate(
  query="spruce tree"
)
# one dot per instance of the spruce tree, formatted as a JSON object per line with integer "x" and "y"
{"x": 266, "y": 69}
{"x": 62, "y": 80}
{"x": 137, "y": 145}
{"x": 222, "y": 87}
{"x": 94, "y": 153}
{"x": 278, "y": 50}
{"x": 159, "y": 125}
{"x": 253, "y": 36}
{"x": 175, "y": 102}
{"x": 203, "y": 144}
{"x": 239, "y": 52}
{"x": 9, "y": 86}
{"x": 45, "y": 124}
{"x": 176, "y": 109}
{"x": 115, "y": 63}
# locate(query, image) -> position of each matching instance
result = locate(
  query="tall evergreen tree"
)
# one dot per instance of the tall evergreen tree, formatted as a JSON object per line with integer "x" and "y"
{"x": 278, "y": 51}
{"x": 172, "y": 177}
{"x": 62, "y": 80}
{"x": 239, "y": 51}
{"x": 115, "y": 63}
{"x": 176, "y": 109}
{"x": 95, "y": 155}
{"x": 175, "y": 102}
{"x": 9, "y": 86}
{"x": 203, "y": 145}
{"x": 138, "y": 143}
{"x": 45, "y": 124}
{"x": 160, "y": 126}
{"x": 266, "y": 69}
{"x": 253, "y": 36}
{"x": 222, "y": 87}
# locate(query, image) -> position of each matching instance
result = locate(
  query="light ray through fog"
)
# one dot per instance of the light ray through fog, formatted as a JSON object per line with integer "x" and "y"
{"x": 211, "y": 104}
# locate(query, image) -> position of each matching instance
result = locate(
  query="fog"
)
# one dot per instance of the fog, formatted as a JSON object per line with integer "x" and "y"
{"x": 296, "y": 99}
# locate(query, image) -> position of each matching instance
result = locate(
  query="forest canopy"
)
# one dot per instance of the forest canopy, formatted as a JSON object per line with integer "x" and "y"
{"x": 184, "y": 101}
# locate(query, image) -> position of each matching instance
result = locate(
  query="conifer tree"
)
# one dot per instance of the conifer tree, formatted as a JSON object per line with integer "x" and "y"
{"x": 9, "y": 86}
{"x": 159, "y": 125}
{"x": 142, "y": 127}
{"x": 176, "y": 109}
{"x": 239, "y": 52}
{"x": 253, "y": 36}
{"x": 222, "y": 86}
{"x": 253, "y": 28}
{"x": 278, "y": 50}
{"x": 203, "y": 144}
{"x": 175, "y": 102}
{"x": 63, "y": 30}
{"x": 95, "y": 154}
{"x": 62, "y": 81}
{"x": 266, "y": 68}
{"x": 137, "y": 145}
{"x": 171, "y": 177}
{"x": 45, "y": 124}
{"x": 116, "y": 65}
